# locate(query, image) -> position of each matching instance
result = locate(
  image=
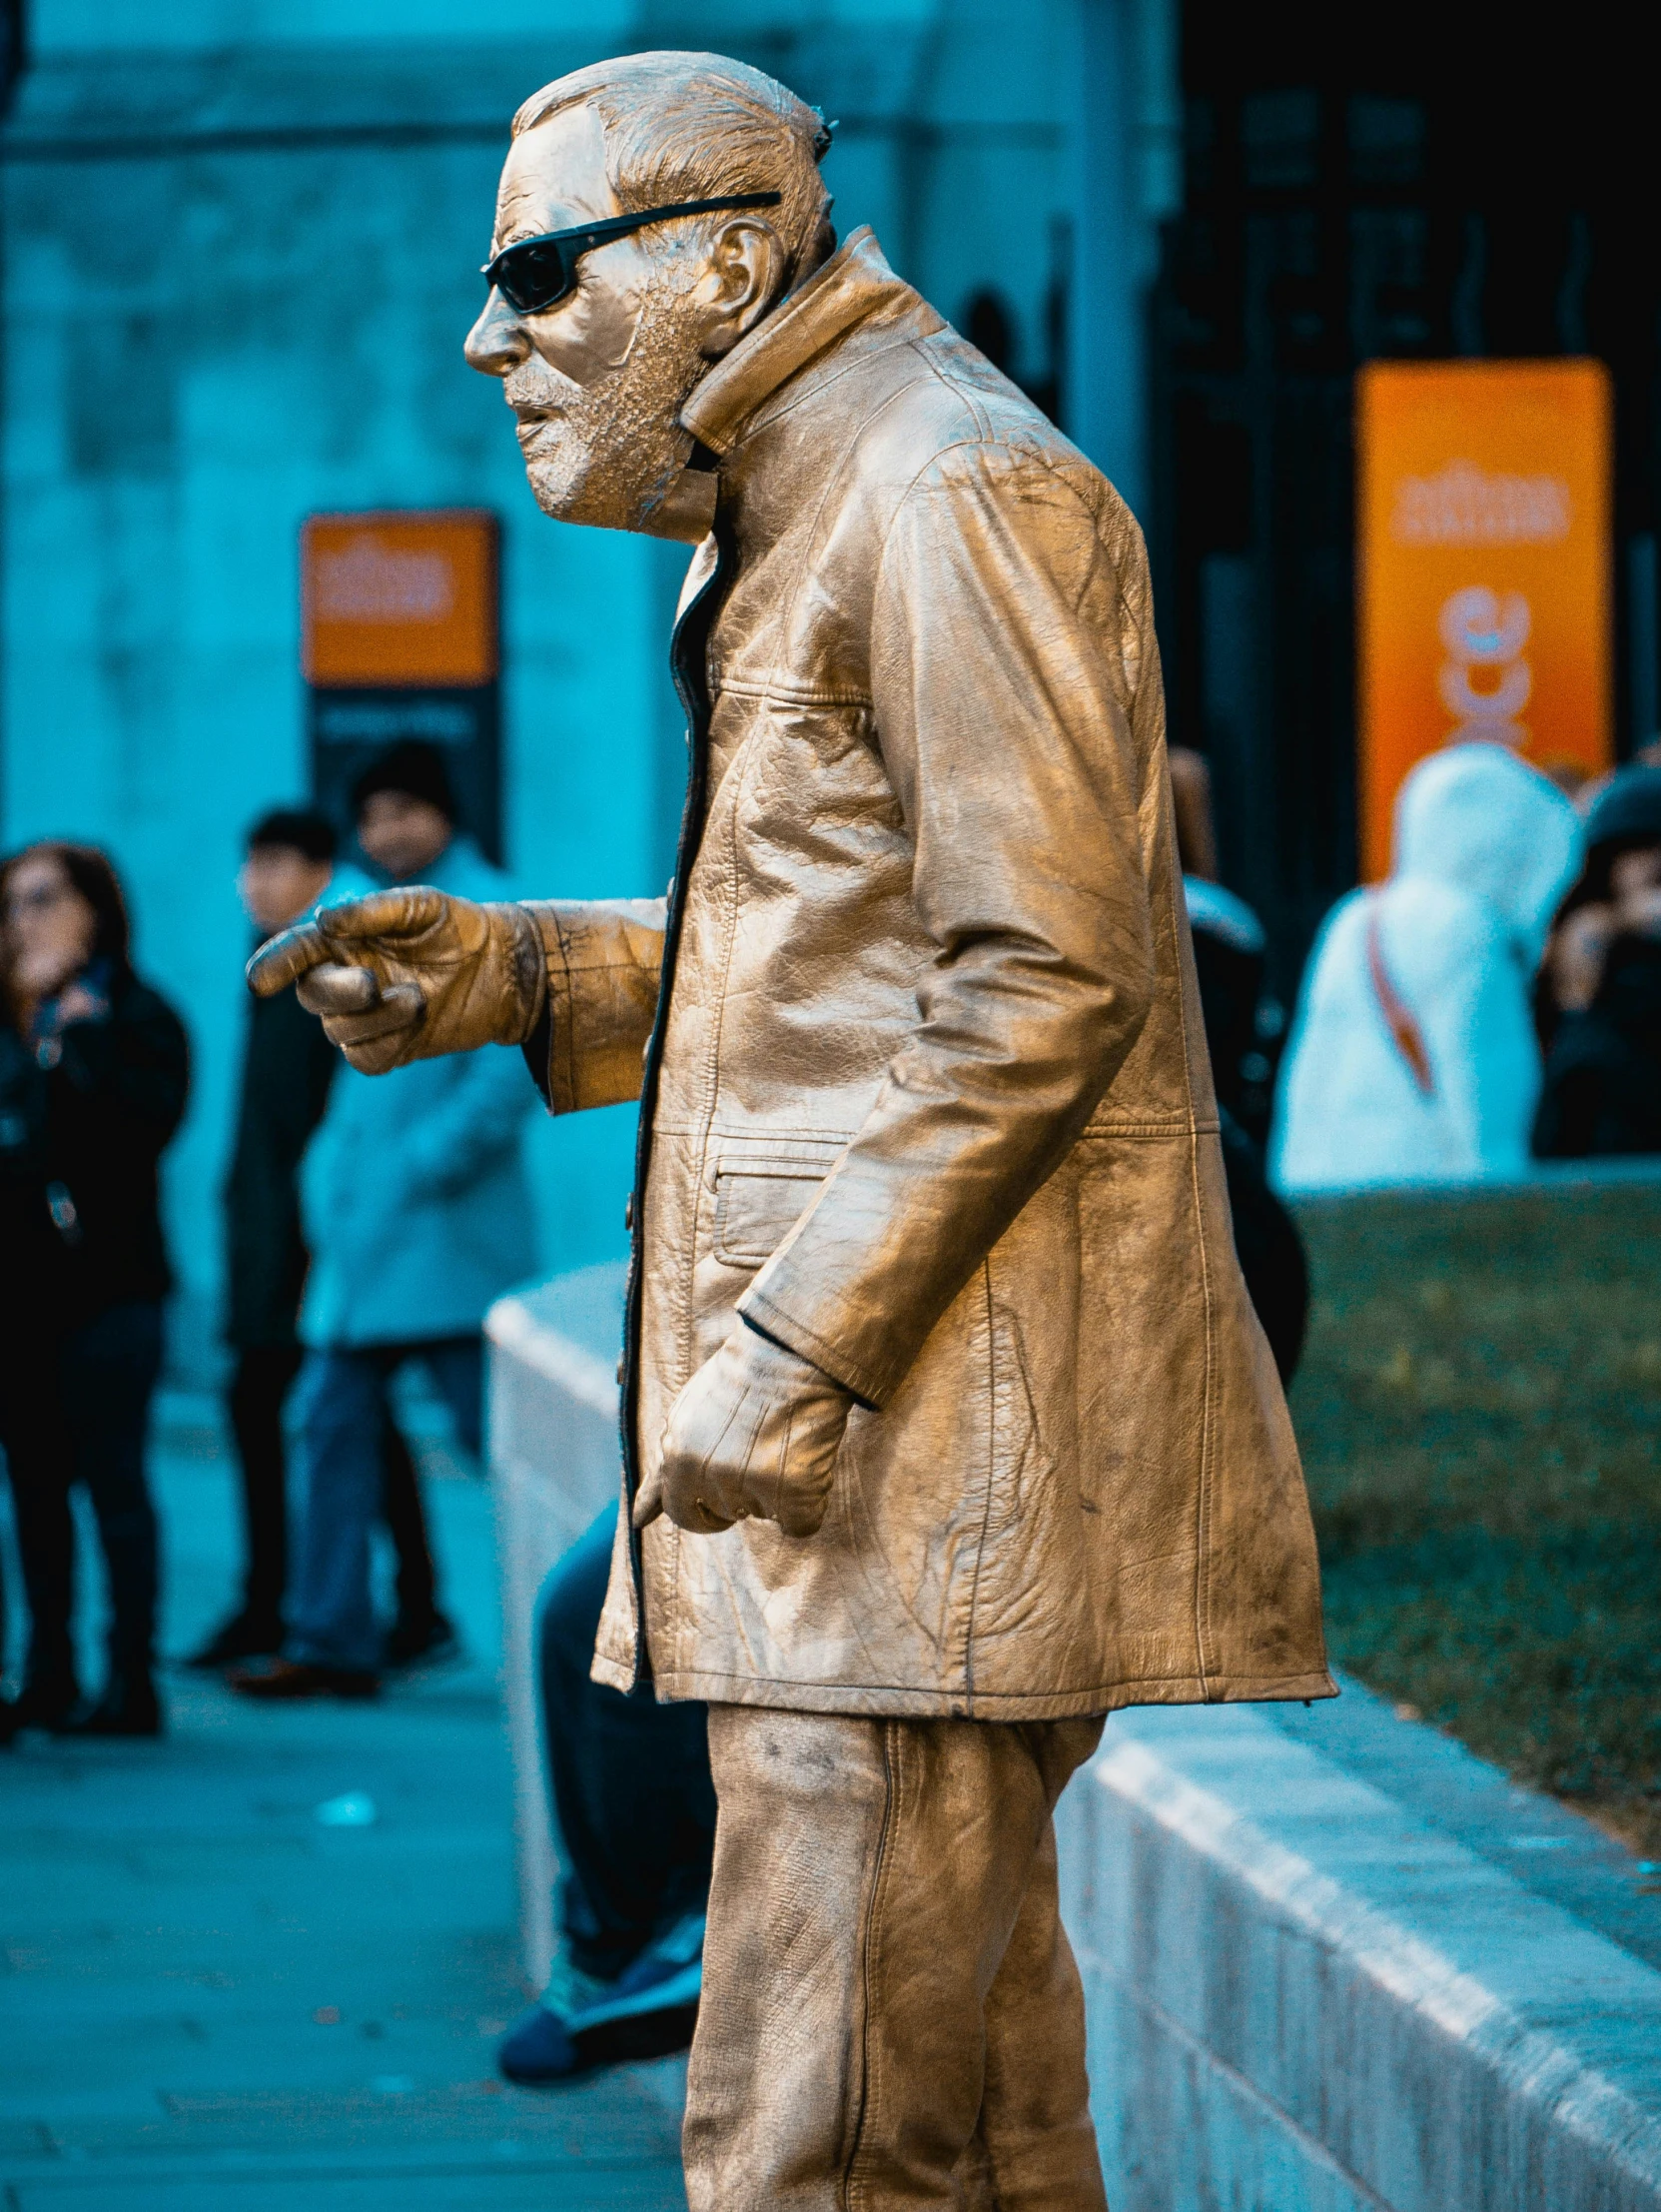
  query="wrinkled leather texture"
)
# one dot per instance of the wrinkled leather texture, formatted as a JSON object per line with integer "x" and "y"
{"x": 934, "y": 1107}
{"x": 891, "y": 2011}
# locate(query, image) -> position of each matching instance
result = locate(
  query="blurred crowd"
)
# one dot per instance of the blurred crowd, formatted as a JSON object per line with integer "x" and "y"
{"x": 1498, "y": 999}
{"x": 369, "y": 1225}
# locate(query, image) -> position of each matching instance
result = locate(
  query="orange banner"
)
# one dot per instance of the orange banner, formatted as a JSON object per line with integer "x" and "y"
{"x": 1482, "y": 560}
{"x": 399, "y": 598}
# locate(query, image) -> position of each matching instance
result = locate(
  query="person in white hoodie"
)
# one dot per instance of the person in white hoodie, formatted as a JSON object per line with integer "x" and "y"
{"x": 1413, "y": 1056}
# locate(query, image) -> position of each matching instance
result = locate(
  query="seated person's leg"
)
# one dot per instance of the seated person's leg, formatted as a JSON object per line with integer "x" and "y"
{"x": 634, "y": 1811}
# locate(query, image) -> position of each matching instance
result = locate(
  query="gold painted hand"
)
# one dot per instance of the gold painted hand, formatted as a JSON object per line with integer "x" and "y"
{"x": 410, "y": 973}
{"x": 755, "y": 1432}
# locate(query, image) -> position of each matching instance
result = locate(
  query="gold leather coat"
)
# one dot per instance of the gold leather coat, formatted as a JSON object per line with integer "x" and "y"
{"x": 926, "y": 1091}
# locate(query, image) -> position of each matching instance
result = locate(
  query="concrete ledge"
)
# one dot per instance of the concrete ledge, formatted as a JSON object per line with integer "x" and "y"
{"x": 1304, "y": 1996}
{"x": 555, "y": 1465}
{"x": 1333, "y": 1962}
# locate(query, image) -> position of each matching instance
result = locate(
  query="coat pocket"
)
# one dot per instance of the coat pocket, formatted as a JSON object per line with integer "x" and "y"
{"x": 757, "y": 1203}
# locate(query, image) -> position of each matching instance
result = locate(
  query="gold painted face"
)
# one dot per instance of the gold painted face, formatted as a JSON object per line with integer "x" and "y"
{"x": 597, "y": 381}
{"x": 553, "y": 179}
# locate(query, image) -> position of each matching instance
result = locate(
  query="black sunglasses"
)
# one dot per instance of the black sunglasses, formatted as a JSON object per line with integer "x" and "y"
{"x": 539, "y": 272}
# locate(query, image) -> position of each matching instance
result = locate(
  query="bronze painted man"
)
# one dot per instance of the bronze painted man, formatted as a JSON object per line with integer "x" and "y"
{"x": 948, "y": 1425}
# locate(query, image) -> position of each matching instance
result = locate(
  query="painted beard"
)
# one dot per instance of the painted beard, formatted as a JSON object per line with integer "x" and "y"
{"x": 608, "y": 453}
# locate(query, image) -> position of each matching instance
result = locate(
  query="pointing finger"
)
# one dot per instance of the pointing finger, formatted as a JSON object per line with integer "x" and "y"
{"x": 284, "y": 958}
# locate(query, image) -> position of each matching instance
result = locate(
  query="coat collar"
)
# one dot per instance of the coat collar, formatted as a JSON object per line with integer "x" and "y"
{"x": 853, "y": 284}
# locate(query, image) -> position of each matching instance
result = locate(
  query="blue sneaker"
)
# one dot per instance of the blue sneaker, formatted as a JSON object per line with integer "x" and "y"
{"x": 583, "y": 2022}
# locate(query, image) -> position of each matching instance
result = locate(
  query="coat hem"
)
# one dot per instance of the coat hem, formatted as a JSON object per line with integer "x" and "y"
{"x": 890, "y": 1700}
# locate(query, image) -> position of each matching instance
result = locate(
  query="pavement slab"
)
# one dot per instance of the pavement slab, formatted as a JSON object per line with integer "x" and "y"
{"x": 211, "y": 1998}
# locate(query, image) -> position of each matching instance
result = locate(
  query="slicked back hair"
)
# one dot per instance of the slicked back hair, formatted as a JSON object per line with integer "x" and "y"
{"x": 700, "y": 127}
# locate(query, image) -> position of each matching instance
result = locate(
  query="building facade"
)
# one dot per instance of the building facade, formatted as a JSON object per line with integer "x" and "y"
{"x": 241, "y": 243}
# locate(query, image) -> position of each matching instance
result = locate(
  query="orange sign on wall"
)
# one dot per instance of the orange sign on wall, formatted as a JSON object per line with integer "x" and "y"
{"x": 399, "y": 598}
{"x": 1482, "y": 567}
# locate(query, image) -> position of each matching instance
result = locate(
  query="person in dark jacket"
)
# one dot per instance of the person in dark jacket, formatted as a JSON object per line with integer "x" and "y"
{"x": 287, "y": 1069}
{"x": 1601, "y": 985}
{"x": 1243, "y": 1025}
{"x": 94, "y": 1071}
{"x": 285, "y": 1072}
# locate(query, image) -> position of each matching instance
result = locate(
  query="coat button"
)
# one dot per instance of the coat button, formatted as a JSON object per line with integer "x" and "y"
{"x": 620, "y": 1369}
{"x": 628, "y": 1213}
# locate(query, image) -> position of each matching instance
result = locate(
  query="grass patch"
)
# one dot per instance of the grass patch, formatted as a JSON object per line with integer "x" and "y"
{"x": 1478, "y": 1409}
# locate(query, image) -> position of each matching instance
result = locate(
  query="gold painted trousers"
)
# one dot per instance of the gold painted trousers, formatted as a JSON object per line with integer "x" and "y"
{"x": 891, "y": 2014}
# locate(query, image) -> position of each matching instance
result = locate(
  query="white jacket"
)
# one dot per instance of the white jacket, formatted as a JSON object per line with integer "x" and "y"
{"x": 1413, "y": 1058}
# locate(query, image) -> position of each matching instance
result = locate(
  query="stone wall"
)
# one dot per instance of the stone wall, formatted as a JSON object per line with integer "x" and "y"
{"x": 239, "y": 244}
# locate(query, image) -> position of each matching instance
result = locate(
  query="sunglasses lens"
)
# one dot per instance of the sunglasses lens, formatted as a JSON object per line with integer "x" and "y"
{"x": 534, "y": 276}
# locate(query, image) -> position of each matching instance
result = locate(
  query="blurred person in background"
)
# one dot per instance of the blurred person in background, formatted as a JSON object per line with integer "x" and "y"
{"x": 287, "y": 1068}
{"x": 283, "y": 1089}
{"x": 1413, "y": 1056}
{"x": 633, "y": 1807}
{"x": 1600, "y": 996}
{"x": 94, "y": 1072}
{"x": 1242, "y": 1024}
{"x": 417, "y": 1213}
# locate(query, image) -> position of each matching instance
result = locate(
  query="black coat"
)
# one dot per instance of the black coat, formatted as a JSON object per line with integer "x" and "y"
{"x": 288, "y": 1064}
{"x": 1268, "y": 1248}
{"x": 84, "y": 1121}
{"x": 1603, "y": 1089}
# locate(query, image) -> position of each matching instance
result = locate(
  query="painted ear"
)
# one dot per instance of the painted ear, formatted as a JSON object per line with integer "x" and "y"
{"x": 752, "y": 268}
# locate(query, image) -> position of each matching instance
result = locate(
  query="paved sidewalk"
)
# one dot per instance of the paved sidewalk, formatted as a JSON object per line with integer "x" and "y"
{"x": 209, "y": 1998}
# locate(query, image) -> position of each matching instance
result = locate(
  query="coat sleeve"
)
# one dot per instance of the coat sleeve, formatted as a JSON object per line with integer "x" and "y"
{"x": 605, "y": 958}
{"x": 1005, "y": 659}
{"x": 476, "y": 1125}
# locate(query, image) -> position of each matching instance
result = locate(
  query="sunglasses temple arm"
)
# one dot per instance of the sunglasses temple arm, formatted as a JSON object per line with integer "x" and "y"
{"x": 574, "y": 243}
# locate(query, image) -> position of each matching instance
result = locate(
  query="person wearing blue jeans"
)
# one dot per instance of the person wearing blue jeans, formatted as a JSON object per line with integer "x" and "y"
{"x": 635, "y": 1819}
{"x": 332, "y": 1627}
{"x": 416, "y": 1210}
